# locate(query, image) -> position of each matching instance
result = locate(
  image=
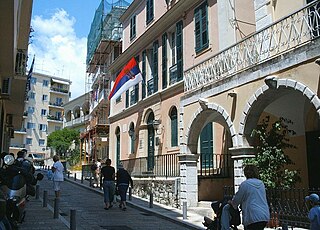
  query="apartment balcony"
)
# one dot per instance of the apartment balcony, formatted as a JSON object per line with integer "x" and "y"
{"x": 21, "y": 63}
{"x": 54, "y": 119}
{"x": 20, "y": 131}
{"x": 17, "y": 146}
{"x": 56, "y": 105}
{"x": 58, "y": 90}
{"x": 98, "y": 99}
{"x": 283, "y": 36}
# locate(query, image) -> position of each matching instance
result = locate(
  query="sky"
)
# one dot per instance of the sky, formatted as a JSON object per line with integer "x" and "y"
{"x": 59, "y": 40}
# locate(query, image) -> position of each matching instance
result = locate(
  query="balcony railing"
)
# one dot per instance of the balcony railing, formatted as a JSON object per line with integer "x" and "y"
{"x": 280, "y": 37}
{"x": 287, "y": 206}
{"x": 215, "y": 165}
{"x": 59, "y": 104}
{"x": 164, "y": 166}
{"x": 54, "y": 118}
{"x": 59, "y": 90}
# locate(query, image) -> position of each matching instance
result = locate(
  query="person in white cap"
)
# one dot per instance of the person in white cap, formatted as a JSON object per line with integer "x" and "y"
{"x": 314, "y": 214}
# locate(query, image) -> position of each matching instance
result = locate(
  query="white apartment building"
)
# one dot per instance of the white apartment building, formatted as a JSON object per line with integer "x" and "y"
{"x": 43, "y": 113}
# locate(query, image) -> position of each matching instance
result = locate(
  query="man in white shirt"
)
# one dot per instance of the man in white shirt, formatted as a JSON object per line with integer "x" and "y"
{"x": 57, "y": 178}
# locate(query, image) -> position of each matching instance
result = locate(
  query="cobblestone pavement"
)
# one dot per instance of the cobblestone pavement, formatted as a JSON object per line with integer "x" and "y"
{"x": 90, "y": 213}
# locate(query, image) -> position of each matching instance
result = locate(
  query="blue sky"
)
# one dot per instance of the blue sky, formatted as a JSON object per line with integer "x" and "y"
{"x": 59, "y": 39}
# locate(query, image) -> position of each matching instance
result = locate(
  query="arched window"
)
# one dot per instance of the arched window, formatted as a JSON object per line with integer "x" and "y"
{"x": 174, "y": 126}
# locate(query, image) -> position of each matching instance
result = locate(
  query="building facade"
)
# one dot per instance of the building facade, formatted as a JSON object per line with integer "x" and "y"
{"x": 212, "y": 70}
{"x": 43, "y": 113}
{"x": 15, "y": 17}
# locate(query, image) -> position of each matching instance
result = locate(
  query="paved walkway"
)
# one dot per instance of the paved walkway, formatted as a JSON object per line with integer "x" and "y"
{"x": 88, "y": 203}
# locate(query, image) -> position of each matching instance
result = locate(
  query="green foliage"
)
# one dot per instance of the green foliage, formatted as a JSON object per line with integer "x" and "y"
{"x": 270, "y": 141}
{"x": 61, "y": 140}
{"x": 74, "y": 157}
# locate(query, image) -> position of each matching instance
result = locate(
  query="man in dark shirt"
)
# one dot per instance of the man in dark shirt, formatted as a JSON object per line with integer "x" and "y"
{"x": 108, "y": 174}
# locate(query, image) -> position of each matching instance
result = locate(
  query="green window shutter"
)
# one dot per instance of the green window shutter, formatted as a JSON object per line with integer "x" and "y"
{"x": 155, "y": 66}
{"x": 164, "y": 61}
{"x": 201, "y": 27}
{"x": 179, "y": 49}
{"x": 149, "y": 7}
{"x": 136, "y": 88}
{"x": 127, "y": 98}
{"x": 143, "y": 72}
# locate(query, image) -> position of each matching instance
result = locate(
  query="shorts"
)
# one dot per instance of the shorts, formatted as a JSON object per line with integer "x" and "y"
{"x": 56, "y": 185}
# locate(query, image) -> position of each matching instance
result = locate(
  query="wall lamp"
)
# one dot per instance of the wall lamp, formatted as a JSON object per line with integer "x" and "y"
{"x": 271, "y": 81}
{"x": 157, "y": 126}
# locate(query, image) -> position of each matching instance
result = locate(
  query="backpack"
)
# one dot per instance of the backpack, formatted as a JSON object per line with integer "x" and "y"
{"x": 94, "y": 167}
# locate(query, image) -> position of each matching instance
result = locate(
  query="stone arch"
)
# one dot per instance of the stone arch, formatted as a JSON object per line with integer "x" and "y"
{"x": 68, "y": 115}
{"x": 264, "y": 96}
{"x": 76, "y": 112}
{"x": 212, "y": 113}
{"x": 86, "y": 108}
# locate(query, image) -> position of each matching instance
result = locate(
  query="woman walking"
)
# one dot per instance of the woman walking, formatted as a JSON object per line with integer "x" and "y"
{"x": 108, "y": 173}
{"x": 123, "y": 180}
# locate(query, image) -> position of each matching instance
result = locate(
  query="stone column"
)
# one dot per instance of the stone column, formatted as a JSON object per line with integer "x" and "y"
{"x": 238, "y": 154}
{"x": 189, "y": 179}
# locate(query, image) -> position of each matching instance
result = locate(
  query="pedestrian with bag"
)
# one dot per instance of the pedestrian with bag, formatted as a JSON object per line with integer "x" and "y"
{"x": 108, "y": 174}
{"x": 123, "y": 181}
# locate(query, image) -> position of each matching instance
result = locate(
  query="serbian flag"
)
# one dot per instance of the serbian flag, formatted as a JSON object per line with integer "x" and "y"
{"x": 129, "y": 76}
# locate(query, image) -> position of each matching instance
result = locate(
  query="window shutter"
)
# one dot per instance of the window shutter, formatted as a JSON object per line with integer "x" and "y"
{"x": 155, "y": 66}
{"x": 164, "y": 61}
{"x": 179, "y": 47}
{"x": 143, "y": 74}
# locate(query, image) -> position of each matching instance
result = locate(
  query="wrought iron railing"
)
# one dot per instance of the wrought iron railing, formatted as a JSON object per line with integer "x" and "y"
{"x": 164, "y": 166}
{"x": 287, "y": 206}
{"x": 280, "y": 37}
{"x": 215, "y": 165}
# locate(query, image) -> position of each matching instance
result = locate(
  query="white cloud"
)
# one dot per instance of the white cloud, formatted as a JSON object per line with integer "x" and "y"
{"x": 58, "y": 51}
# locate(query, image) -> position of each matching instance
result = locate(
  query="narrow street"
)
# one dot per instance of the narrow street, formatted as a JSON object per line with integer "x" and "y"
{"x": 90, "y": 213}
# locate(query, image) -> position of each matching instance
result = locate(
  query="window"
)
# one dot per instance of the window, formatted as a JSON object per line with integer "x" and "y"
{"x": 32, "y": 95}
{"x": 149, "y": 8}
{"x": 45, "y": 97}
{"x": 174, "y": 127}
{"x": 28, "y": 141}
{"x": 43, "y": 127}
{"x": 45, "y": 83}
{"x": 173, "y": 48}
{"x": 164, "y": 61}
{"x": 201, "y": 27}
{"x": 58, "y": 101}
{"x": 41, "y": 142}
{"x": 31, "y": 125}
{"x": 33, "y": 80}
{"x": 133, "y": 27}
{"x": 179, "y": 50}
{"x": 43, "y": 112}
{"x": 155, "y": 66}
{"x": 30, "y": 109}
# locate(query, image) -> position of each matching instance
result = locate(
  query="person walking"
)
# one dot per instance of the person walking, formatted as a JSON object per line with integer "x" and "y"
{"x": 108, "y": 174}
{"x": 312, "y": 202}
{"x": 253, "y": 200}
{"x": 123, "y": 180}
{"x": 57, "y": 177}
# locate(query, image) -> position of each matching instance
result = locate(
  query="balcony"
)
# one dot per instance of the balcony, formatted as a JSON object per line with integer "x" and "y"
{"x": 17, "y": 146}
{"x": 54, "y": 119}
{"x": 59, "y": 90}
{"x": 280, "y": 37}
{"x": 78, "y": 121}
{"x": 20, "y": 131}
{"x": 97, "y": 98}
{"x": 56, "y": 104}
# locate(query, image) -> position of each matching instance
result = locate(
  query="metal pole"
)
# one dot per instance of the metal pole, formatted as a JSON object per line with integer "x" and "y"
{"x": 68, "y": 174}
{"x": 90, "y": 180}
{"x": 73, "y": 225}
{"x": 130, "y": 193}
{"x": 45, "y": 198}
{"x": 151, "y": 200}
{"x": 56, "y": 208}
{"x": 81, "y": 178}
{"x": 37, "y": 191}
{"x": 184, "y": 210}
{"x": 75, "y": 176}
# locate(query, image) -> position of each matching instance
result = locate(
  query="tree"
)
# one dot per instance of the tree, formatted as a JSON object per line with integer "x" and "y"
{"x": 61, "y": 140}
{"x": 270, "y": 141}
